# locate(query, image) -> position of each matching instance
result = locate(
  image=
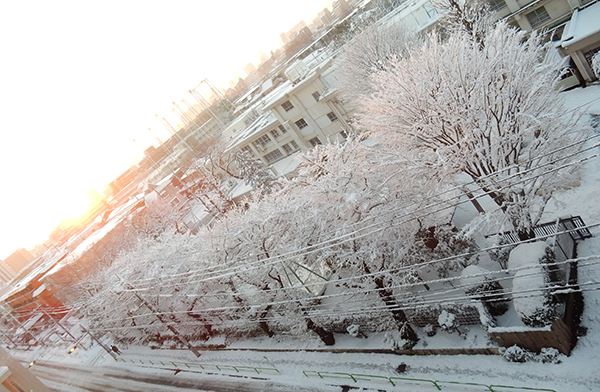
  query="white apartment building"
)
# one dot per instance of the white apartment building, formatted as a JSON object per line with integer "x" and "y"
{"x": 300, "y": 114}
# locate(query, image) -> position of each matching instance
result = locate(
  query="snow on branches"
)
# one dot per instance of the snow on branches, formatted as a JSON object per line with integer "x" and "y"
{"x": 371, "y": 51}
{"x": 490, "y": 111}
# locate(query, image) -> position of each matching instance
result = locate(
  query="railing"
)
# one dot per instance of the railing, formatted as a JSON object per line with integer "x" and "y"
{"x": 574, "y": 225}
{"x": 423, "y": 384}
{"x": 203, "y": 366}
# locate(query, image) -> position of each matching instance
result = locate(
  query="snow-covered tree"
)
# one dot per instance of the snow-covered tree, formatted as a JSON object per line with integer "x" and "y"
{"x": 488, "y": 110}
{"x": 369, "y": 52}
{"x": 254, "y": 172}
{"x": 471, "y": 17}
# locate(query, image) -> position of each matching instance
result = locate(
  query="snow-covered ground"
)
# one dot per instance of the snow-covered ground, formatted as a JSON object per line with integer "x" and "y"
{"x": 271, "y": 365}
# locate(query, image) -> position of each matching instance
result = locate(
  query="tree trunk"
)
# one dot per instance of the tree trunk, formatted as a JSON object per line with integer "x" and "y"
{"x": 263, "y": 324}
{"x": 326, "y": 336}
{"x": 406, "y": 331}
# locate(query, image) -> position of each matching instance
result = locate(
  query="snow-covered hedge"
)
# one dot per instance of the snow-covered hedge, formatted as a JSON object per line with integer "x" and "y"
{"x": 532, "y": 302}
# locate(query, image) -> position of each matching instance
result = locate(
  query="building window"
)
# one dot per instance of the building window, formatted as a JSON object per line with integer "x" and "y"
{"x": 248, "y": 150}
{"x": 344, "y": 134}
{"x": 290, "y": 147}
{"x": 301, "y": 123}
{"x": 496, "y": 5}
{"x": 275, "y": 133}
{"x": 316, "y": 96}
{"x": 332, "y": 117}
{"x": 590, "y": 55}
{"x": 273, "y": 156}
{"x": 538, "y": 16}
{"x": 287, "y": 148}
{"x": 287, "y": 106}
{"x": 314, "y": 141}
{"x": 261, "y": 142}
{"x": 282, "y": 129}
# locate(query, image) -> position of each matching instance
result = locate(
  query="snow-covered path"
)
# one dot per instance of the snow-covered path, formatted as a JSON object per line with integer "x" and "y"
{"x": 299, "y": 371}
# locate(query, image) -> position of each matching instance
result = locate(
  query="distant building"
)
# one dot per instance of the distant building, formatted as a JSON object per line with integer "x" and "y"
{"x": 30, "y": 293}
{"x": 249, "y": 68}
{"x": 300, "y": 41}
{"x": 341, "y": 9}
{"x": 288, "y": 37}
{"x": 19, "y": 260}
{"x": 263, "y": 56}
{"x": 6, "y": 273}
{"x": 323, "y": 19}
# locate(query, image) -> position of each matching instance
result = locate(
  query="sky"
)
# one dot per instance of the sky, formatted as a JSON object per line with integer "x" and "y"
{"x": 81, "y": 80}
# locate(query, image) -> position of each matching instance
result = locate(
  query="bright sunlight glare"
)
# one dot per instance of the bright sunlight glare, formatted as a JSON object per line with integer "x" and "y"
{"x": 80, "y": 81}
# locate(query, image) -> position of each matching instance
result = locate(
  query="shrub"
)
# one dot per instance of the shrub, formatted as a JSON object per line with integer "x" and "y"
{"x": 549, "y": 355}
{"x": 516, "y": 354}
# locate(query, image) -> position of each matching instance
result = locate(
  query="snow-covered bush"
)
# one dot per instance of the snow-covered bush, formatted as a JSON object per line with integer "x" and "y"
{"x": 501, "y": 251}
{"x": 430, "y": 330}
{"x": 596, "y": 64}
{"x": 516, "y": 354}
{"x": 549, "y": 355}
{"x": 532, "y": 302}
{"x": 479, "y": 284}
{"x": 447, "y": 321}
{"x": 354, "y": 330}
{"x": 440, "y": 243}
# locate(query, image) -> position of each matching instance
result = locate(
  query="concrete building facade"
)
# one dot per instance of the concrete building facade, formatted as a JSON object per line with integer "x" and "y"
{"x": 301, "y": 114}
{"x": 19, "y": 260}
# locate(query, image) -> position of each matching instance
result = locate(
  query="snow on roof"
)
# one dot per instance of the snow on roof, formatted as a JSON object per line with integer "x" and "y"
{"x": 279, "y": 92}
{"x": 39, "y": 290}
{"x": 317, "y": 65}
{"x": 286, "y": 165}
{"x": 264, "y": 120}
{"x": 583, "y": 24}
{"x": 34, "y": 273}
{"x": 266, "y": 85}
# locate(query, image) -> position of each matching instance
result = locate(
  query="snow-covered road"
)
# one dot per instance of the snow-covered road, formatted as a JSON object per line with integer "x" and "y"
{"x": 142, "y": 369}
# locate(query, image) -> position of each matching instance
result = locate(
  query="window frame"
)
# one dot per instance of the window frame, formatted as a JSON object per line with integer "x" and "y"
{"x": 274, "y": 156}
{"x": 301, "y": 123}
{"x": 315, "y": 141}
{"x": 496, "y": 5}
{"x": 538, "y": 17}
{"x": 287, "y": 105}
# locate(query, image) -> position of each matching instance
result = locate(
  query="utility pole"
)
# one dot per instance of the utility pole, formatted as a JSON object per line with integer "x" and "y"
{"x": 99, "y": 342}
{"x": 162, "y": 320}
{"x": 59, "y": 324}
